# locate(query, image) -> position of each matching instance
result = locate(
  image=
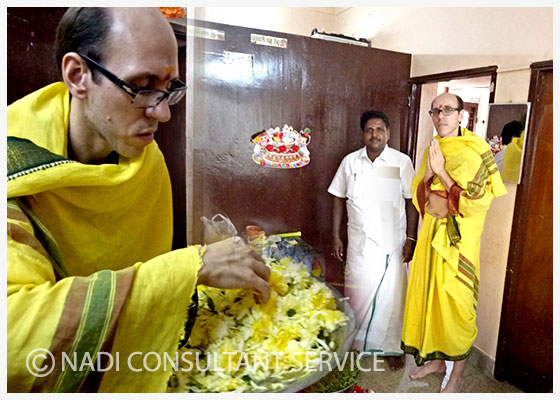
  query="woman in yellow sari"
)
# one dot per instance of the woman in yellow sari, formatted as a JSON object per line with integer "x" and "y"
{"x": 454, "y": 187}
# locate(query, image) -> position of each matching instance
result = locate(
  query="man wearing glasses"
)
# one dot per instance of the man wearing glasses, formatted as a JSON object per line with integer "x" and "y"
{"x": 454, "y": 187}
{"x": 91, "y": 278}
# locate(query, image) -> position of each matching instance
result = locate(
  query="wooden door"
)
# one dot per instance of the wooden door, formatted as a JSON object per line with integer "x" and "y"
{"x": 31, "y": 62}
{"x": 525, "y": 347}
{"x": 172, "y": 141}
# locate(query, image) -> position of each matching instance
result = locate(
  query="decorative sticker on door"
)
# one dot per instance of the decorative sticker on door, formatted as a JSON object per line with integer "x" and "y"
{"x": 286, "y": 148}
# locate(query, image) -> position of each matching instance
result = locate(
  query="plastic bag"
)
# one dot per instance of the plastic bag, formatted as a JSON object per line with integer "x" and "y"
{"x": 218, "y": 228}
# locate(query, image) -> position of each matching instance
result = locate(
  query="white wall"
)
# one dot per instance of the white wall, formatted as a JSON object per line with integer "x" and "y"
{"x": 446, "y": 38}
{"x": 294, "y": 20}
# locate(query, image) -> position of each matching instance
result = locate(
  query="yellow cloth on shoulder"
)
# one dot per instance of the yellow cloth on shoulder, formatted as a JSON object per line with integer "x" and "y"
{"x": 110, "y": 282}
{"x": 442, "y": 293}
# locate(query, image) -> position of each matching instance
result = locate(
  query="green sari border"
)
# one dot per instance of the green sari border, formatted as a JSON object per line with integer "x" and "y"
{"x": 23, "y": 157}
{"x": 436, "y": 355}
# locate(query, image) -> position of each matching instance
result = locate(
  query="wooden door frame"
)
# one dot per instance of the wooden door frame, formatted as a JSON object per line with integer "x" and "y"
{"x": 474, "y": 116}
{"x": 171, "y": 139}
{"x": 520, "y": 216}
{"x": 408, "y": 145}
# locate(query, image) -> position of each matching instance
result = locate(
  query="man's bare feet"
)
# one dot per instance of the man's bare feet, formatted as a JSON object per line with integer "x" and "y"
{"x": 435, "y": 366}
{"x": 453, "y": 386}
{"x": 395, "y": 362}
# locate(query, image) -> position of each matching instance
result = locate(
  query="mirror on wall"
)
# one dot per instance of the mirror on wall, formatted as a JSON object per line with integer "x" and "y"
{"x": 505, "y": 133}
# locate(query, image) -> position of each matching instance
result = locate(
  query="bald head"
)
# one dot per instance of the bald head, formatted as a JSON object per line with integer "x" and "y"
{"x": 91, "y": 30}
{"x": 143, "y": 23}
{"x": 448, "y": 97}
{"x": 139, "y": 31}
{"x": 447, "y": 114}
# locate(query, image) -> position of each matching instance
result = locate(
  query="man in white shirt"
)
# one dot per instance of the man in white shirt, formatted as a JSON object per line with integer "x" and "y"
{"x": 375, "y": 183}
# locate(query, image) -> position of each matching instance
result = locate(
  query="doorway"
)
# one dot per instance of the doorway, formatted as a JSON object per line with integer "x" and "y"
{"x": 471, "y": 114}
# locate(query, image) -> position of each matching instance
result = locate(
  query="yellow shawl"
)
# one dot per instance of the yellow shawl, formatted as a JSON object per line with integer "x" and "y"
{"x": 89, "y": 261}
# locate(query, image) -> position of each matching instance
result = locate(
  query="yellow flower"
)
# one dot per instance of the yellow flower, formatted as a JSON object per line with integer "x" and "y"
{"x": 278, "y": 284}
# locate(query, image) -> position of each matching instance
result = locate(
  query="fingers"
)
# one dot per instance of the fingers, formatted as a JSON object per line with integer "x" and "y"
{"x": 337, "y": 249}
{"x": 436, "y": 160}
{"x": 230, "y": 264}
{"x": 261, "y": 270}
{"x": 339, "y": 255}
{"x": 260, "y": 279}
{"x": 251, "y": 274}
{"x": 435, "y": 149}
{"x": 263, "y": 288}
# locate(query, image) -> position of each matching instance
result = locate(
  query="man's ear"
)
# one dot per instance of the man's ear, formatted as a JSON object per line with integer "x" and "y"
{"x": 461, "y": 115}
{"x": 75, "y": 74}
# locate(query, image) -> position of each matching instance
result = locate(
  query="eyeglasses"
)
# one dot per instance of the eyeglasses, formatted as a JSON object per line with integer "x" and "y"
{"x": 447, "y": 111}
{"x": 143, "y": 98}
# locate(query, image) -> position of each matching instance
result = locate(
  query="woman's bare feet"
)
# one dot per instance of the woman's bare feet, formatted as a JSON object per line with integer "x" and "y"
{"x": 435, "y": 366}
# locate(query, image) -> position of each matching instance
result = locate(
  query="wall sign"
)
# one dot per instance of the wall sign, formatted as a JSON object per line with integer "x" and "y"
{"x": 269, "y": 41}
{"x": 205, "y": 33}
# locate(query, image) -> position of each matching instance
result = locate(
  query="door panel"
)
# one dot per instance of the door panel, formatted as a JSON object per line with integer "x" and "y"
{"x": 172, "y": 140}
{"x": 525, "y": 345}
{"x": 30, "y": 59}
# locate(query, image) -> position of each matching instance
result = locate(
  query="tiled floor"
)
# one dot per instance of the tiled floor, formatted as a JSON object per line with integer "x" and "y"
{"x": 475, "y": 380}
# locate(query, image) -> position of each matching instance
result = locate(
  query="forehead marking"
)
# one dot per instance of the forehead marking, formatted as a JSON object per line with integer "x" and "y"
{"x": 169, "y": 70}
